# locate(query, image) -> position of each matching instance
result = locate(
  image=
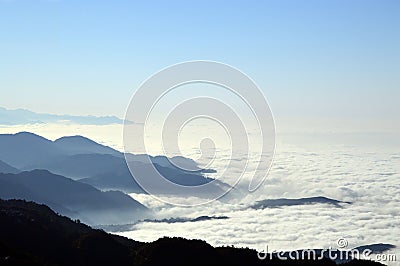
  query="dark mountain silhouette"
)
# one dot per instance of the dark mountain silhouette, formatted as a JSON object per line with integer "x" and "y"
{"x": 276, "y": 203}
{"x": 129, "y": 227}
{"x": 33, "y": 234}
{"x": 178, "y": 251}
{"x": 7, "y": 169}
{"x": 376, "y": 248}
{"x": 72, "y": 198}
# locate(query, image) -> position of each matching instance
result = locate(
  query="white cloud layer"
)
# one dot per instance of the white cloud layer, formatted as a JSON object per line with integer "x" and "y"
{"x": 370, "y": 180}
{"x": 367, "y": 175}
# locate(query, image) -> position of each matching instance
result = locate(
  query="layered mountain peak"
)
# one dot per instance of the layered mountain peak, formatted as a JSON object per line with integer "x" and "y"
{"x": 81, "y": 145}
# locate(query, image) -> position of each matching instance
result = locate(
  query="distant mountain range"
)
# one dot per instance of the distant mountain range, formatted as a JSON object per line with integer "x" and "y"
{"x": 33, "y": 234}
{"x": 79, "y": 173}
{"x": 26, "y": 150}
{"x": 84, "y": 179}
{"x": 22, "y": 117}
{"x": 82, "y": 159}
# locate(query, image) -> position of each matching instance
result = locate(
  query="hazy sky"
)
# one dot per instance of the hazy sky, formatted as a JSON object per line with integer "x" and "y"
{"x": 311, "y": 58}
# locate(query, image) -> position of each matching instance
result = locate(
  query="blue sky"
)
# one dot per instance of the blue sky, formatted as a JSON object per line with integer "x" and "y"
{"x": 311, "y": 58}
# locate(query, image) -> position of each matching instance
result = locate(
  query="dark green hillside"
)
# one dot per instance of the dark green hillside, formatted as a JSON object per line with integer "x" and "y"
{"x": 32, "y": 234}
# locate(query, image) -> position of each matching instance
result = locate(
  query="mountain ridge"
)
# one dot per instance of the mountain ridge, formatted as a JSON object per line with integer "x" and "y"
{"x": 72, "y": 198}
{"x": 33, "y": 234}
{"x": 24, "y": 116}
{"x": 83, "y": 159}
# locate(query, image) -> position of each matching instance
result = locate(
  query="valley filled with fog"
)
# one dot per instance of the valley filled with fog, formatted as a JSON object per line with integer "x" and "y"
{"x": 362, "y": 175}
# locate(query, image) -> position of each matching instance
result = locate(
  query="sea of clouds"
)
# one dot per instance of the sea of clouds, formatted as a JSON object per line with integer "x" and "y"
{"x": 371, "y": 181}
{"x": 365, "y": 174}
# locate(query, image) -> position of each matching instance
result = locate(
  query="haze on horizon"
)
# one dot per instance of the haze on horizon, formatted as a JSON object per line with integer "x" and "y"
{"x": 313, "y": 60}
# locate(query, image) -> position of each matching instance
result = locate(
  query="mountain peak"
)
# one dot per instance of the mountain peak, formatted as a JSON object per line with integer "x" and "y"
{"x": 24, "y": 150}
{"x": 76, "y": 138}
{"x": 30, "y": 135}
{"x": 26, "y": 133}
{"x": 81, "y": 145}
{"x": 38, "y": 171}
